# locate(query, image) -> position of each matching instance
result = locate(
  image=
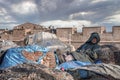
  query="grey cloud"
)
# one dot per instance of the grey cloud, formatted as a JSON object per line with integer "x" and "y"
{"x": 62, "y": 9}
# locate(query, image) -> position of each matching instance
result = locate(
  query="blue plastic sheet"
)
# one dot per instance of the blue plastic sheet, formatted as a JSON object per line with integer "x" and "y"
{"x": 72, "y": 64}
{"x": 75, "y": 64}
{"x": 14, "y": 56}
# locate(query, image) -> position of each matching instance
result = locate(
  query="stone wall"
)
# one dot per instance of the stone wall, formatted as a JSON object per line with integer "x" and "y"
{"x": 67, "y": 35}
{"x": 77, "y": 39}
{"x": 2, "y": 30}
{"x": 116, "y": 33}
{"x": 18, "y": 32}
{"x": 28, "y": 26}
{"x": 88, "y": 30}
{"x": 4, "y": 36}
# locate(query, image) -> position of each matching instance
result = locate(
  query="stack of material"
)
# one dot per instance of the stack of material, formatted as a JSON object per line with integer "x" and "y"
{"x": 117, "y": 57}
{"x": 26, "y": 54}
{"x": 33, "y": 56}
{"x": 33, "y": 72}
{"x": 49, "y": 60}
{"x": 47, "y": 40}
{"x": 6, "y": 44}
{"x": 110, "y": 54}
{"x": 97, "y": 72}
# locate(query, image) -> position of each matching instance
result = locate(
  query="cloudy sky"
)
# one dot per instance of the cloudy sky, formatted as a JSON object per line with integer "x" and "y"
{"x": 60, "y": 13}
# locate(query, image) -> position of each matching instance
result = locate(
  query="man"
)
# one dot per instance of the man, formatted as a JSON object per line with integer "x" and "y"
{"x": 91, "y": 47}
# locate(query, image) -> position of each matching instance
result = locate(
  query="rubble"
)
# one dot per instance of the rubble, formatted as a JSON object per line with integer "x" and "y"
{"x": 34, "y": 56}
{"x": 96, "y": 72}
{"x": 110, "y": 54}
{"x": 33, "y": 72}
{"x": 6, "y": 44}
{"x": 44, "y": 61}
{"x": 48, "y": 60}
{"x": 41, "y": 72}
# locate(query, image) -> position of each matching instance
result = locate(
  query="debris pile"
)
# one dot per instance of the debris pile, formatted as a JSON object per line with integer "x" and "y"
{"x": 110, "y": 54}
{"x": 33, "y": 72}
{"x": 49, "y": 60}
{"x": 6, "y": 44}
{"x": 45, "y": 57}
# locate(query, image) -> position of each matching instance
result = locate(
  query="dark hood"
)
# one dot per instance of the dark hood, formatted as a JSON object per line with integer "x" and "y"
{"x": 93, "y": 35}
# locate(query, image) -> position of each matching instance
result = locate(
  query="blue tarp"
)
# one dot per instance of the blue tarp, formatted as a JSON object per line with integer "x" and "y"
{"x": 75, "y": 64}
{"x": 14, "y": 56}
{"x": 72, "y": 64}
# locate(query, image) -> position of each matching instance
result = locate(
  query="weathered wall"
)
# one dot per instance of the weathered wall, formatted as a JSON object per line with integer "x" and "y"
{"x": 68, "y": 35}
{"x": 77, "y": 39}
{"x": 88, "y": 30}
{"x": 18, "y": 32}
{"x": 65, "y": 34}
{"x": 4, "y": 36}
{"x": 28, "y": 26}
{"x": 116, "y": 33}
{"x": 106, "y": 36}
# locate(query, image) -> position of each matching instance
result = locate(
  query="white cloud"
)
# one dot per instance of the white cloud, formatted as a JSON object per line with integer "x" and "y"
{"x": 97, "y": 1}
{"x": 72, "y": 16}
{"x": 25, "y": 7}
{"x": 113, "y": 19}
{"x": 2, "y": 11}
{"x": 5, "y": 18}
{"x": 71, "y": 23}
{"x": 9, "y": 26}
{"x": 48, "y": 5}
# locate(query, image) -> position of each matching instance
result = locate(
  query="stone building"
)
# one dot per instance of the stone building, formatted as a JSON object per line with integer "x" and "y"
{"x": 88, "y": 30}
{"x": 69, "y": 35}
{"x": 2, "y": 30}
{"x": 5, "y": 35}
{"x": 65, "y": 34}
{"x": 19, "y": 32}
{"x": 116, "y": 33}
{"x": 28, "y": 28}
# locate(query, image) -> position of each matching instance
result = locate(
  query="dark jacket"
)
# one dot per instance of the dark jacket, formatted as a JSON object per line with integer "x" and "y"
{"x": 89, "y": 47}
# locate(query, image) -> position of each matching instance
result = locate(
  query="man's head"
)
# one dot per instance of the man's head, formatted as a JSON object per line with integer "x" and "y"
{"x": 94, "y": 40}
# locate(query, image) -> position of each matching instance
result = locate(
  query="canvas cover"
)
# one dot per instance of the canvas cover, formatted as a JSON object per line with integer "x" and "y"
{"x": 6, "y": 44}
{"x": 26, "y": 54}
{"x": 47, "y": 40}
{"x": 97, "y": 72}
